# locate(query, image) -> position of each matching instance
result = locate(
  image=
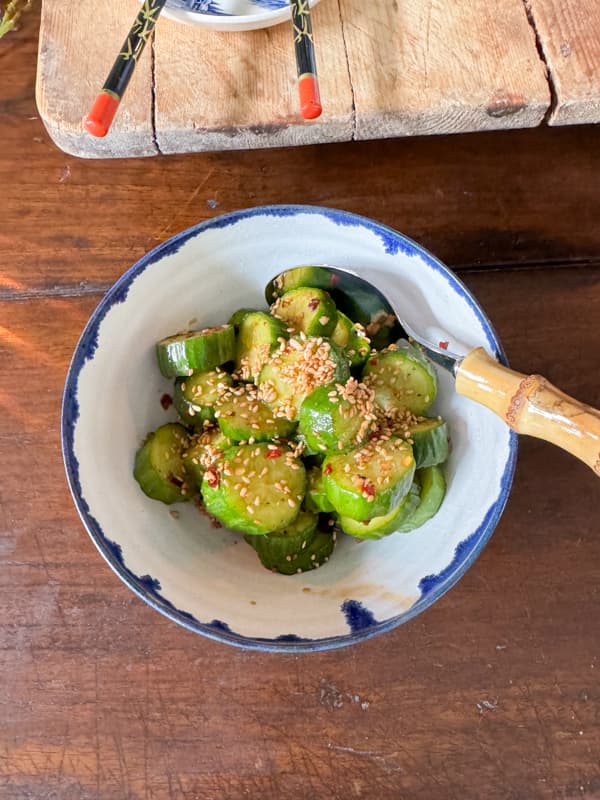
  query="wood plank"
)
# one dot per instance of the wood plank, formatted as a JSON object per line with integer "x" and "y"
{"x": 102, "y": 697}
{"x": 220, "y": 91}
{"x": 433, "y": 67}
{"x": 77, "y": 49}
{"x": 569, "y": 35}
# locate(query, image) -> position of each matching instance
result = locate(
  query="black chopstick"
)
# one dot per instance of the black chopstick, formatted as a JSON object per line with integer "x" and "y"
{"x": 100, "y": 118}
{"x": 308, "y": 84}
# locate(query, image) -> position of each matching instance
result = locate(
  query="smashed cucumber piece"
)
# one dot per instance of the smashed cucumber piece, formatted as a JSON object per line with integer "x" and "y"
{"x": 195, "y": 396}
{"x": 337, "y": 417}
{"x": 203, "y": 450}
{"x": 370, "y": 481}
{"x": 236, "y": 318}
{"x": 378, "y": 527}
{"x": 433, "y": 490}
{"x": 255, "y": 488}
{"x": 298, "y": 368}
{"x": 402, "y": 378}
{"x": 429, "y": 441}
{"x": 299, "y": 547}
{"x": 195, "y": 351}
{"x": 351, "y": 337}
{"x": 244, "y": 417}
{"x": 306, "y": 310}
{"x": 316, "y": 497}
{"x": 258, "y": 334}
{"x": 159, "y": 467}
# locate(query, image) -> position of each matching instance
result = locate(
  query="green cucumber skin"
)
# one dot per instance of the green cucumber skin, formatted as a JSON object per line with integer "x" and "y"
{"x": 351, "y": 503}
{"x": 239, "y": 429}
{"x": 226, "y": 504}
{"x": 394, "y": 374}
{"x": 433, "y": 491}
{"x": 237, "y": 317}
{"x": 355, "y": 344}
{"x": 196, "y": 351}
{"x": 146, "y": 471}
{"x": 316, "y": 552}
{"x": 379, "y": 527}
{"x": 309, "y": 276}
{"x": 316, "y": 497}
{"x": 277, "y": 550}
{"x": 296, "y": 311}
{"x": 258, "y": 335}
{"x": 430, "y": 446}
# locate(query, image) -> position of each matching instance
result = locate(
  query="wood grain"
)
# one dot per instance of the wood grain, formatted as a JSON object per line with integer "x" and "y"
{"x": 386, "y": 69}
{"x": 78, "y": 45}
{"x": 442, "y": 68}
{"x": 492, "y": 693}
{"x": 217, "y": 91}
{"x": 569, "y": 37}
{"x": 104, "y": 698}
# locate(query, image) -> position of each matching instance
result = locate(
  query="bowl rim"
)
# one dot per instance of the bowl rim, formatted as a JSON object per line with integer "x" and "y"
{"x": 264, "y": 18}
{"x": 144, "y": 586}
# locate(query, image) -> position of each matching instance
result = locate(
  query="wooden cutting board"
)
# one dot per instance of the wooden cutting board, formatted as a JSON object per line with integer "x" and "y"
{"x": 387, "y": 68}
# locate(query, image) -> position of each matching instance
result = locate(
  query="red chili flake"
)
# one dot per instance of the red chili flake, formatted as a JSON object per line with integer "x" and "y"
{"x": 443, "y": 345}
{"x": 166, "y": 401}
{"x": 373, "y": 362}
{"x": 368, "y": 488}
{"x": 314, "y": 303}
{"x": 328, "y": 469}
{"x": 274, "y": 453}
{"x": 212, "y": 478}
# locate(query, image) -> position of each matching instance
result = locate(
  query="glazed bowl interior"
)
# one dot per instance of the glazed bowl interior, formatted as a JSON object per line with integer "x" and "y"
{"x": 209, "y": 579}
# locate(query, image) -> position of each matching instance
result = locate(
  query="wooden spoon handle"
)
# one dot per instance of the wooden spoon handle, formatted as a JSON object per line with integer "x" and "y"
{"x": 532, "y": 405}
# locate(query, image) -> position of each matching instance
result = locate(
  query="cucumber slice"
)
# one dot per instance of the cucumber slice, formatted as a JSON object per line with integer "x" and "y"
{"x": 316, "y": 497}
{"x": 433, "y": 490}
{"x": 429, "y": 441}
{"x": 371, "y": 481}
{"x": 298, "y": 548}
{"x": 203, "y": 451}
{"x": 306, "y": 310}
{"x": 337, "y": 417}
{"x": 255, "y": 488}
{"x": 159, "y": 467}
{"x": 296, "y": 369}
{"x": 351, "y": 338}
{"x": 195, "y": 396}
{"x": 378, "y": 527}
{"x": 236, "y": 318}
{"x": 316, "y": 277}
{"x": 243, "y": 417}
{"x": 402, "y": 378}
{"x": 195, "y": 351}
{"x": 258, "y": 335}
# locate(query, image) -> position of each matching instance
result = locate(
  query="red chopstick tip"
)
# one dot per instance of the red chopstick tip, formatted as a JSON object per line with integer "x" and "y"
{"x": 100, "y": 118}
{"x": 310, "y": 100}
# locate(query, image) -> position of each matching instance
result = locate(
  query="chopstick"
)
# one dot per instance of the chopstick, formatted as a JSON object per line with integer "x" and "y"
{"x": 100, "y": 118}
{"x": 308, "y": 84}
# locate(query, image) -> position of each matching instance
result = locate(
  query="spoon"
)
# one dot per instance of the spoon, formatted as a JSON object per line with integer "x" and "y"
{"x": 529, "y": 404}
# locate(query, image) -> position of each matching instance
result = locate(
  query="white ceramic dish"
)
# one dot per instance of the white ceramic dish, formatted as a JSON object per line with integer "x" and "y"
{"x": 209, "y": 580}
{"x": 230, "y": 15}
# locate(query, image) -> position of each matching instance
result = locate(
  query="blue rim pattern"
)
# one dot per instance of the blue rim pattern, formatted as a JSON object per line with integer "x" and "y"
{"x": 215, "y": 7}
{"x": 360, "y": 620}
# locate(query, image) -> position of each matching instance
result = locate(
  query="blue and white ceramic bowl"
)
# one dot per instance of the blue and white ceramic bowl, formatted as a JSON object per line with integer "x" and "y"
{"x": 230, "y": 15}
{"x": 209, "y": 580}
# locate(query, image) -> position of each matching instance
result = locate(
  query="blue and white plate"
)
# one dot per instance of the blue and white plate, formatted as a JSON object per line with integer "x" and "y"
{"x": 209, "y": 580}
{"x": 230, "y": 15}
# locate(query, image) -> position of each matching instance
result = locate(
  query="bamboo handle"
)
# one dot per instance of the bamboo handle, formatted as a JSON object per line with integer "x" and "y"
{"x": 532, "y": 405}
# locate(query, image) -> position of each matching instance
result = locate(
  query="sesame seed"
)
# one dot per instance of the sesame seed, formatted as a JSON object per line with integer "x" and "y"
{"x": 291, "y": 503}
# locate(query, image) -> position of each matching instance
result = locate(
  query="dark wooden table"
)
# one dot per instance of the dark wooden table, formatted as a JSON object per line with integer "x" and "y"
{"x": 492, "y": 693}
